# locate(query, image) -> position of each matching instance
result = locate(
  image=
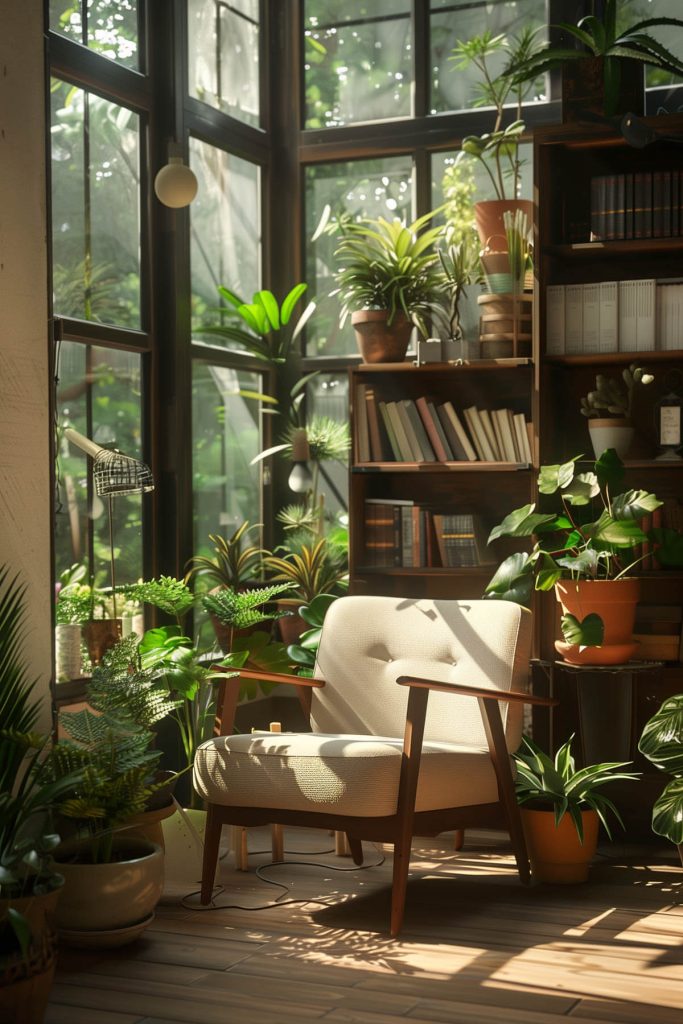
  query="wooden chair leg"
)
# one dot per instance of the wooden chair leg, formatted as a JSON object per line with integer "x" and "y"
{"x": 356, "y": 848}
{"x": 458, "y": 839}
{"x": 399, "y": 883}
{"x": 341, "y": 846}
{"x": 277, "y": 843}
{"x": 212, "y": 838}
{"x": 240, "y": 847}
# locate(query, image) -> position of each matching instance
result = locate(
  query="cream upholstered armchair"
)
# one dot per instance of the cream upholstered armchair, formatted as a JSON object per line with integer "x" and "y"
{"x": 380, "y": 764}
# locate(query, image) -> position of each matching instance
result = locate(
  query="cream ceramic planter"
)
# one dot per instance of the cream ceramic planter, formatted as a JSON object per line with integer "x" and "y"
{"x": 610, "y": 433}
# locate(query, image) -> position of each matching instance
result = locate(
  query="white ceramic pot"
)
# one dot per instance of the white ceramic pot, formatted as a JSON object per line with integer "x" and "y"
{"x": 67, "y": 651}
{"x": 108, "y": 897}
{"x": 610, "y": 433}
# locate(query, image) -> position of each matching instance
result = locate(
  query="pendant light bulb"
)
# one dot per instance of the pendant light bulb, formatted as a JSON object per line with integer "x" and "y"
{"x": 176, "y": 184}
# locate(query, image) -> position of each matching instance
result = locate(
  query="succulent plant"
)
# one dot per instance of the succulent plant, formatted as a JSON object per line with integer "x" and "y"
{"x": 613, "y": 397}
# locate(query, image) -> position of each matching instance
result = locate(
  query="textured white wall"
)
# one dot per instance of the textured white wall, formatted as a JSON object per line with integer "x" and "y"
{"x": 24, "y": 385}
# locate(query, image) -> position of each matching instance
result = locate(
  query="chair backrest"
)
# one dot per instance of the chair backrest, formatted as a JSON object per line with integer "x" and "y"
{"x": 367, "y": 642}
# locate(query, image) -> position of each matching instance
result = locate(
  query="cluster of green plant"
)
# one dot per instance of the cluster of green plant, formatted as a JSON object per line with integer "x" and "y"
{"x": 313, "y": 570}
{"x": 28, "y": 792}
{"x": 591, "y": 535}
{"x": 662, "y": 744}
{"x": 388, "y": 265}
{"x": 169, "y": 595}
{"x": 234, "y": 561}
{"x": 243, "y": 610}
{"x": 613, "y": 397}
{"x": 304, "y": 653}
{"x": 498, "y": 150}
{"x": 265, "y": 320}
{"x": 544, "y": 782}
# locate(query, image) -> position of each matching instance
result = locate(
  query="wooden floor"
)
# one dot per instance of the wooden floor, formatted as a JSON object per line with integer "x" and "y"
{"x": 477, "y": 947}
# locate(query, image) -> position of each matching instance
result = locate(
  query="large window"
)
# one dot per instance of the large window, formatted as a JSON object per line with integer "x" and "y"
{"x": 95, "y": 149}
{"x": 224, "y": 66}
{"x": 109, "y": 27}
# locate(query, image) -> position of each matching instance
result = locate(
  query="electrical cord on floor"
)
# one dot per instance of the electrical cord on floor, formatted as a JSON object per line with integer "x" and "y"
{"x": 280, "y": 901}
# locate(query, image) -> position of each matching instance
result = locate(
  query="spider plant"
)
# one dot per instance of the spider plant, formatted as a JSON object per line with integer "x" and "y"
{"x": 314, "y": 570}
{"x": 235, "y": 561}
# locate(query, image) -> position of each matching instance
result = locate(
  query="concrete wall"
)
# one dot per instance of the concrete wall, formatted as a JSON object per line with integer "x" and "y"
{"x": 25, "y": 526}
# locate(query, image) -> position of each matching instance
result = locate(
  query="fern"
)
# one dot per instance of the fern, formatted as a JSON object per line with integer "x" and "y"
{"x": 241, "y": 609}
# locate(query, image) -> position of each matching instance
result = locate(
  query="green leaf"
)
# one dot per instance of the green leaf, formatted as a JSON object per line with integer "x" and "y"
{"x": 555, "y": 478}
{"x": 585, "y": 563}
{"x": 270, "y": 307}
{"x": 622, "y": 533}
{"x": 520, "y": 523}
{"x": 589, "y": 632}
{"x": 582, "y": 489}
{"x": 609, "y": 470}
{"x": 634, "y": 504}
{"x": 667, "y": 813}
{"x": 669, "y": 545}
{"x": 662, "y": 739}
{"x": 512, "y": 580}
{"x": 290, "y": 301}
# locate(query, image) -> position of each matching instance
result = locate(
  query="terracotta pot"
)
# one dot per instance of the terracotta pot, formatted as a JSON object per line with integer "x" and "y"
{"x": 615, "y": 602}
{"x": 377, "y": 342}
{"x": 99, "y": 636}
{"x": 583, "y": 88}
{"x": 610, "y": 432}
{"x": 109, "y": 903}
{"x": 555, "y": 852}
{"x": 291, "y": 626}
{"x": 25, "y": 981}
{"x": 489, "y": 218}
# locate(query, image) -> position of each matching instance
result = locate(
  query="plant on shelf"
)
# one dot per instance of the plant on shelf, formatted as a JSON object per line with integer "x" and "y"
{"x": 236, "y": 560}
{"x": 584, "y": 548}
{"x": 30, "y": 884}
{"x": 387, "y": 279}
{"x": 561, "y": 809}
{"x": 662, "y": 744}
{"x": 264, "y": 320}
{"x": 609, "y": 407}
{"x": 461, "y": 266}
{"x": 497, "y": 151}
{"x": 600, "y": 38}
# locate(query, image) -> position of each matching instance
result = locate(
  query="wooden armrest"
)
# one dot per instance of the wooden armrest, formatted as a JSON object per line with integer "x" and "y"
{"x": 511, "y": 696}
{"x": 269, "y": 677}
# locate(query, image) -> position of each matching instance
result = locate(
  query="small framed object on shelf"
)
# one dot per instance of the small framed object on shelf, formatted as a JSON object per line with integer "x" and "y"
{"x": 668, "y": 419}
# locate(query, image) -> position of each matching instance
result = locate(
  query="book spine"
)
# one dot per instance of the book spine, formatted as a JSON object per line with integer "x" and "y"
{"x": 435, "y": 440}
{"x": 362, "y": 426}
{"x": 642, "y": 196}
{"x": 591, "y": 318}
{"x": 573, "y": 319}
{"x": 389, "y": 426}
{"x": 379, "y": 451}
{"x": 419, "y": 431}
{"x": 460, "y": 432}
{"x": 628, "y": 206}
{"x": 608, "y": 304}
{"x": 620, "y": 207}
{"x": 627, "y": 317}
{"x": 645, "y": 315}
{"x": 554, "y": 320}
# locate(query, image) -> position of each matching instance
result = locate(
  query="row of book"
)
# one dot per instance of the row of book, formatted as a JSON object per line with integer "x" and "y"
{"x": 614, "y": 316}
{"x": 400, "y": 534}
{"x": 424, "y": 430}
{"x": 646, "y": 204}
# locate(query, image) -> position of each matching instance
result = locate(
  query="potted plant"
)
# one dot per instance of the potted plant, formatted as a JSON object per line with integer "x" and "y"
{"x": 561, "y": 810}
{"x": 604, "y": 75}
{"x": 304, "y": 652}
{"x": 497, "y": 151}
{"x": 30, "y": 885}
{"x": 608, "y": 409}
{"x": 72, "y": 610}
{"x": 585, "y": 550}
{"x": 387, "y": 280}
{"x": 314, "y": 569}
{"x": 662, "y": 744}
{"x": 236, "y": 561}
{"x": 461, "y": 267}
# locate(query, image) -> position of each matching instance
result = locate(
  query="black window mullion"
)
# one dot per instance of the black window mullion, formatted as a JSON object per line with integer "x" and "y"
{"x": 98, "y": 74}
{"x": 421, "y": 61}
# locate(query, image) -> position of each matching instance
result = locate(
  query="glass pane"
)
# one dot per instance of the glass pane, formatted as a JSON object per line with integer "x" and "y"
{"x": 462, "y": 185}
{"x": 95, "y": 208}
{"x": 226, "y": 436}
{"x": 110, "y": 27}
{"x": 363, "y": 188}
{"x": 631, "y": 11}
{"x": 462, "y": 20}
{"x": 98, "y": 394}
{"x": 225, "y": 225}
{"x": 358, "y": 61}
{"x": 328, "y": 396}
{"x": 223, "y": 44}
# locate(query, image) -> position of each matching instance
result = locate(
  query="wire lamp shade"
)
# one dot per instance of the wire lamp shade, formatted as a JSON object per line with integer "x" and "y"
{"x": 116, "y": 474}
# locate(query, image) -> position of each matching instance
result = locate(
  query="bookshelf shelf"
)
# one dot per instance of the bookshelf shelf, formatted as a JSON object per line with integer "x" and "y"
{"x": 459, "y": 365}
{"x": 617, "y": 358}
{"x": 439, "y": 467}
{"x": 606, "y": 250}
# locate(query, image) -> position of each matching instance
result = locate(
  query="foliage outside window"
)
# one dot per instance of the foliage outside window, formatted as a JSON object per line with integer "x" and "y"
{"x": 357, "y": 61}
{"x": 223, "y": 55}
{"x": 630, "y": 11}
{"x": 95, "y": 151}
{"x": 98, "y": 393}
{"x": 109, "y": 27}
{"x": 225, "y": 226}
{"x": 452, "y": 22}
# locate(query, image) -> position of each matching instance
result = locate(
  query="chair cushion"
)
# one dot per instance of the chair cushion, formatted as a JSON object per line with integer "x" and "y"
{"x": 340, "y": 774}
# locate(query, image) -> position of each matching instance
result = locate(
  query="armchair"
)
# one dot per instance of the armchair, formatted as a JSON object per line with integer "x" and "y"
{"x": 352, "y": 772}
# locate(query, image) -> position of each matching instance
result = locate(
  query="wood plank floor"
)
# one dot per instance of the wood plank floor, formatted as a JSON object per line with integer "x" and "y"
{"x": 477, "y": 947}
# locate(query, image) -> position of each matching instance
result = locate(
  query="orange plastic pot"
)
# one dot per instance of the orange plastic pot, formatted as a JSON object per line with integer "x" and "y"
{"x": 615, "y": 602}
{"x": 555, "y": 852}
